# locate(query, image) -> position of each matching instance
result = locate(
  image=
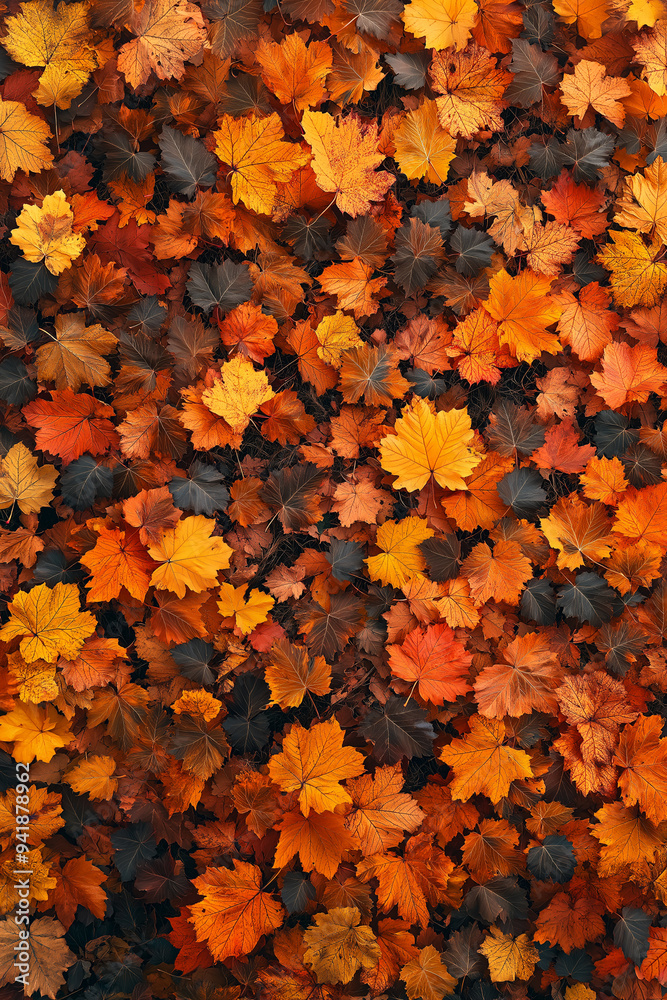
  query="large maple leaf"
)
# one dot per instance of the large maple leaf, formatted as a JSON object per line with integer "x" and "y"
{"x": 526, "y": 681}
{"x": 434, "y": 661}
{"x": 482, "y": 763}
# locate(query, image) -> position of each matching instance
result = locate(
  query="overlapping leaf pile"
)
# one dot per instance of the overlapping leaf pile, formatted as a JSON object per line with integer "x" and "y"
{"x": 334, "y": 512}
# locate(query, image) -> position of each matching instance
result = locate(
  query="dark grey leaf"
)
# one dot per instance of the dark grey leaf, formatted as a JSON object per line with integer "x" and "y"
{"x": 578, "y": 965}
{"x": 443, "y": 557}
{"x": 132, "y": 844}
{"x": 193, "y": 658}
{"x": 589, "y": 152}
{"x": 83, "y": 481}
{"x": 345, "y": 558}
{"x": 30, "y": 281}
{"x": 523, "y": 491}
{"x": 203, "y": 491}
{"x": 16, "y": 386}
{"x": 297, "y": 892}
{"x": 247, "y": 724}
{"x": 434, "y": 213}
{"x": 398, "y": 730}
{"x": 538, "y": 602}
{"x": 147, "y": 315}
{"x": 409, "y": 68}
{"x": 498, "y": 897}
{"x": 474, "y": 248}
{"x": 553, "y": 860}
{"x": 547, "y": 159}
{"x": 538, "y": 25}
{"x": 612, "y": 434}
{"x": 631, "y": 933}
{"x": 533, "y": 69}
{"x": 374, "y": 17}
{"x": 186, "y": 161}
{"x": 425, "y": 385}
{"x": 122, "y": 159}
{"x": 586, "y": 269}
{"x": 233, "y": 20}
{"x": 418, "y": 253}
{"x": 589, "y": 599}
{"x": 224, "y": 285}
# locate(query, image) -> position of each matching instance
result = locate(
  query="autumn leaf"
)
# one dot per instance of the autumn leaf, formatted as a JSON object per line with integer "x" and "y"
{"x": 443, "y": 23}
{"x": 427, "y": 977}
{"x": 37, "y": 733}
{"x": 49, "y": 622}
{"x": 117, "y": 560}
{"x": 294, "y": 71}
{"x": 189, "y": 557}
{"x": 643, "y": 201}
{"x": 472, "y": 87}
{"x": 45, "y": 233}
{"x": 401, "y": 558}
{"x": 292, "y": 674}
{"x": 499, "y": 573}
{"x": 23, "y": 482}
{"x": 423, "y": 148}
{"x": 381, "y": 812}
{"x": 430, "y": 444}
{"x": 247, "y": 611}
{"x": 642, "y": 756}
{"x": 338, "y": 945}
{"x": 578, "y": 532}
{"x": 526, "y": 681}
{"x": 258, "y": 156}
{"x": 23, "y": 138}
{"x": 238, "y": 393}
{"x": 313, "y": 762}
{"x": 234, "y": 912}
{"x": 434, "y": 661}
{"x": 589, "y": 86}
{"x": 345, "y": 158}
{"x": 168, "y": 32}
{"x": 523, "y": 310}
{"x": 482, "y": 764}
{"x": 629, "y": 374}
{"x": 76, "y": 355}
{"x": 638, "y": 276}
{"x": 509, "y": 958}
{"x": 319, "y": 839}
{"x": 48, "y": 955}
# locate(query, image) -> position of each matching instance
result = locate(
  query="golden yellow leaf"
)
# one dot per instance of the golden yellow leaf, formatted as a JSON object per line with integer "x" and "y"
{"x": 638, "y": 273}
{"x": 23, "y": 139}
{"x": 651, "y": 50}
{"x": 23, "y": 482}
{"x": 238, "y": 393}
{"x": 313, "y": 762}
{"x": 481, "y": 764}
{"x": 426, "y": 976}
{"x": 199, "y": 702}
{"x": 401, "y": 558}
{"x": 338, "y": 946}
{"x": 295, "y": 71}
{"x": 45, "y": 234}
{"x": 643, "y": 201}
{"x": 59, "y": 40}
{"x": 336, "y": 334}
{"x": 472, "y": 85}
{"x": 345, "y": 157}
{"x": 247, "y": 613}
{"x": 37, "y": 733}
{"x": 442, "y": 23}
{"x": 92, "y": 775}
{"x": 509, "y": 958}
{"x": 523, "y": 310}
{"x": 423, "y": 148}
{"x": 190, "y": 558}
{"x": 588, "y": 15}
{"x": 169, "y": 32}
{"x": 75, "y": 355}
{"x": 258, "y": 157}
{"x": 645, "y": 13}
{"x": 37, "y": 680}
{"x": 590, "y": 87}
{"x": 430, "y": 444}
{"x": 50, "y": 622}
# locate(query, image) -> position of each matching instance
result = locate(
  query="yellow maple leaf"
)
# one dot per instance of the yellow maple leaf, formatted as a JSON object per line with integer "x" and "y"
{"x": 588, "y": 15}
{"x": 590, "y": 87}
{"x": 472, "y": 85}
{"x": 37, "y": 733}
{"x": 23, "y": 139}
{"x": 401, "y": 558}
{"x": 190, "y": 558}
{"x": 247, "y": 613}
{"x": 345, "y": 157}
{"x": 313, "y": 762}
{"x": 93, "y": 776}
{"x": 336, "y": 334}
{"x": 523, "y": 310}
{"x": 59, "y": 40}
{"x": 481, "y": 764}
{"x": 338, "y": 945}
{"x": 238, "y": 393}
{"x": 49, "y": 622}
{"x": 423, "y": 148}
{"x": 45, "y": 233}
{"x": 295, "y": 71}
{"x": 169, "y": 32}
{"x": 426, "y": 976}
{"x": 509, "y": 958}
{"x": 643, "y": 201}
{"x": 645, "y": 13}
{"x": 23, "y": 482}
{"x": 259, "y": 157}
{"x": 638, "y": 273}
{"x": 428, "y": 444}
{"x": 651, "y": 50}
{"x": 442, "y": 23}
{"x": 37, "y": 680}
{"x": 75, "y": 354}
